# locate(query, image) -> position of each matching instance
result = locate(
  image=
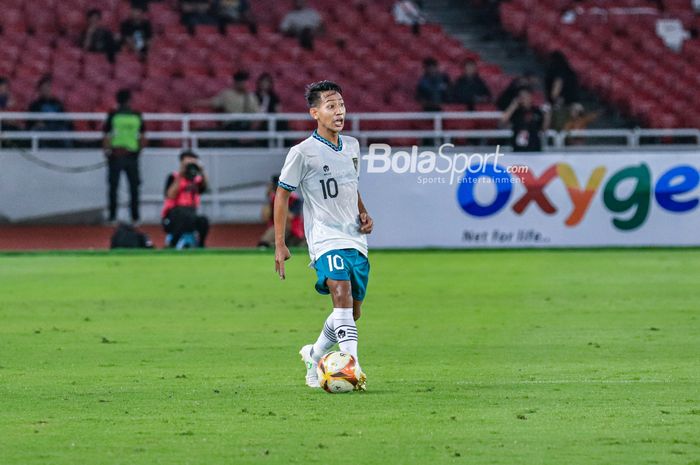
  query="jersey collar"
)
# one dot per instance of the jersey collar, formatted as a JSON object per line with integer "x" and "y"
{"x": 330, "y": 144}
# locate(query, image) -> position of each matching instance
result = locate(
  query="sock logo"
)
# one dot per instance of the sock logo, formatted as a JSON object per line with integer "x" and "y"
{"x": 341, "y": 334}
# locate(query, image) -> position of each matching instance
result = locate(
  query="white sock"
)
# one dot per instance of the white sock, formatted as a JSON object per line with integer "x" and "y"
{"x": 345, "y": 331}
{"x": 325, "y": 340}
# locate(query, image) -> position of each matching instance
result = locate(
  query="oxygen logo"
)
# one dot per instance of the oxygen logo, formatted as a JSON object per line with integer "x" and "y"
{"x": 672, "y": 192}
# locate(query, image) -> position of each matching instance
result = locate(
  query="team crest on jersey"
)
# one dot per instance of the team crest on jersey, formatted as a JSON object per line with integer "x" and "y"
{"x": 326, "y": 170}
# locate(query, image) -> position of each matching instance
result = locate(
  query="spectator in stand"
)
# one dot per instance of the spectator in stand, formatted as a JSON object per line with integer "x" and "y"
{"x": 579, "y": 119}
{"x": 122, "y": 143}
{"x": 268, "y": 100}
{"x": 136, "y": 31}
{"x": 527, "y": 122}
{"x": 183, "y": 191}
{"x": 236, "y": 99}
{"x": 433, "y": 86}
{"x": 561, "y": 87}
{"x": 234, "y": 12}
{"x": 143, "y": 4}
{"x": 48, "y": 103}
{"x": 408, "y": 13}
{"x": 469, "y": 89}
{"x": 6, "y": 104}
{"x": 302, "y": 22}
{"x": 97, "y": 38}
{"x": 5, "y": 95}
{"x": 295, "y": 220}
{"x": 527, "y": 81}
{"x": 194, "y": 12}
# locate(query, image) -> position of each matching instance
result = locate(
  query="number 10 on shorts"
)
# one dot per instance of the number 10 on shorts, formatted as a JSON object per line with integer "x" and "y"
{"x": 335, "y": 262}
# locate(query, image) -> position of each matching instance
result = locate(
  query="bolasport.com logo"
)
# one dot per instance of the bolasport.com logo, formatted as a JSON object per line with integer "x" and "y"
{"x": 443, "y": 166}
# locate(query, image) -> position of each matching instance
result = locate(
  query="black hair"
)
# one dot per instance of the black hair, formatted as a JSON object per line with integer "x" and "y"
{"x": 241, "y": 76}
{"x": 314, "y": 90}
{"x": 265, "y": 76}
{"x": 93, "y": 12}
{"x": 3, "y": 80}
{"x": 188, "y": 153}
{"x": 45, "y": 79}
{"x": 123, "y": 96}
{"x": 430, "y": 61}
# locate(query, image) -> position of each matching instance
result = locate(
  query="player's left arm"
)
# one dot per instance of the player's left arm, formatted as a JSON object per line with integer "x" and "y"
{"x": 366, "y": 222}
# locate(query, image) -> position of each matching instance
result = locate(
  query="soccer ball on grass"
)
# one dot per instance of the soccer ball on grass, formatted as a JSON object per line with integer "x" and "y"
{"x": 338, "y": 372}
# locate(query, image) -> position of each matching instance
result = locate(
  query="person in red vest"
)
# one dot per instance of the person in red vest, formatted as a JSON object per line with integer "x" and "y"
{"x": 183, "y": 191}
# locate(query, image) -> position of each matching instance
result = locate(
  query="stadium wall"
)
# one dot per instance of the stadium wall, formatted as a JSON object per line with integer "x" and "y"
{"x": 39, "y": 187}
{"x": 561, "y": 200}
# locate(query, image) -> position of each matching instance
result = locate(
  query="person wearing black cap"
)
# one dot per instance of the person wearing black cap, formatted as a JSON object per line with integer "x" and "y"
{"x": 528, "y": 80}
{"x": 183, "y": 191}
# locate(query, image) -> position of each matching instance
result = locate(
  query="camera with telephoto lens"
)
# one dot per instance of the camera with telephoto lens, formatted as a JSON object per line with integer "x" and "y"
{"x": 192, "y": 170}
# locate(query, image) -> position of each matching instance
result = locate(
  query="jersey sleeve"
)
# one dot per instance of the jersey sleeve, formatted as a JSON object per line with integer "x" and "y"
{"x": 291, "y": 174}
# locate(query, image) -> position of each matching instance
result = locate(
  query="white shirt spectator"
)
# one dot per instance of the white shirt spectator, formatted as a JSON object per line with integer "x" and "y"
{"x": 297, "y": 20}
{"x": 407, "y": 12}
{"x": 672, "y": 33}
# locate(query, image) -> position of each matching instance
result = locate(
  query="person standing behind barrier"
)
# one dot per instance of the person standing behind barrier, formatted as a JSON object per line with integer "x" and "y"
{"x": 123, "y": 141}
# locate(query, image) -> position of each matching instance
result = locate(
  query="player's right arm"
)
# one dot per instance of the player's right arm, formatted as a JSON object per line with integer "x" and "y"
{"x": 290, "y": 177}
{"x": 280, "y": 215}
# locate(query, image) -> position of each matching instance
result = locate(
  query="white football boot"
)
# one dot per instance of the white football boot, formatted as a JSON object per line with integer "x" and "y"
{"x": 311, "y": 375}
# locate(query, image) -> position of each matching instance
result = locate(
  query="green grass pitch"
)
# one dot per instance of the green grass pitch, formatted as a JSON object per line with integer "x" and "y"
{"x": 479, "y": 357}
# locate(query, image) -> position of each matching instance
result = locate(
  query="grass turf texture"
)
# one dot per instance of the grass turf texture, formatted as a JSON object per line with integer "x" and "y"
{"x": 552, "y": 357}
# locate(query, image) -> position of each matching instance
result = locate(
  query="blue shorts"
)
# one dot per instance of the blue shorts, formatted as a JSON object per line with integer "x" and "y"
{"x": 343, "y": 265}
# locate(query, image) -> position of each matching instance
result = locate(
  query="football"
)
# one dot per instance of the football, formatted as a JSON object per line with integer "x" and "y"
{"x": 338, "y": 372}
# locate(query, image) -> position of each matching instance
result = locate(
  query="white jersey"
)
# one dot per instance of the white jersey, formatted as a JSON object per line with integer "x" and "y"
{"x": 327, "y": 177}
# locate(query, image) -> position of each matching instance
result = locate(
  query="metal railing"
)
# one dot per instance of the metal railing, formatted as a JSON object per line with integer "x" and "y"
{"x": 274, "y": 136}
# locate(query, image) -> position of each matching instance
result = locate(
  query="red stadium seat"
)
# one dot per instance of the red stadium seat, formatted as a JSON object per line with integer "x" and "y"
{"x": 42, "y": 37}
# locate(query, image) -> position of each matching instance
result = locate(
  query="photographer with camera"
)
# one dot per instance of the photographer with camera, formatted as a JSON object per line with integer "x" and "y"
{"x": 183, "y": 190}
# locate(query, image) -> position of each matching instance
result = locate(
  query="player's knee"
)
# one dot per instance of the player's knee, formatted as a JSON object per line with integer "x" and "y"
{"x": 340, "y": 292}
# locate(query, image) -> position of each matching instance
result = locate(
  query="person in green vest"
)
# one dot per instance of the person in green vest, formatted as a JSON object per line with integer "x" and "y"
{"x": 123, "y": 141}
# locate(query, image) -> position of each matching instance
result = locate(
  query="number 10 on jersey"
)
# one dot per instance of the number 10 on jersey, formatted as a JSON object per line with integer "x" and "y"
{"x": 330, "y": 188}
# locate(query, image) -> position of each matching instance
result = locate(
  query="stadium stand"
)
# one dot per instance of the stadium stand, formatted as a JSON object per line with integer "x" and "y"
{"x": 379, "y": 60}
{"x": 614, "y": 48}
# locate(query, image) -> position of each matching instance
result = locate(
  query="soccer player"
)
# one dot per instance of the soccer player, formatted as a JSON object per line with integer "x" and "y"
{"x": 325, "y": 169}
